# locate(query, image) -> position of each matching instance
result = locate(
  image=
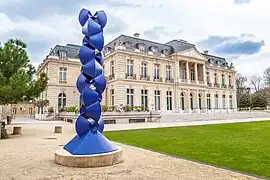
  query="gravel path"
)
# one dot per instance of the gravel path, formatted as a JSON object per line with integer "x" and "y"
{"x": 30, "y": 156}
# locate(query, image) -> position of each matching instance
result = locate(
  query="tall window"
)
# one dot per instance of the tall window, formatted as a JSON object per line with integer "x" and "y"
{"x": 143, "y": 70}
{"x": 62, "y": 100}
{"x": 144, "y": 99}
{"x": 157, "y": 99}
{"x": 156, "y": 71}
{"x": 222, "y": 80}
{"x": 130, "y": 97}
{"x": 230, "y": 80}
{"x": 224, "y": 101}
{"x": 191, "y": 101}
{"x": 129, "y": 67}
{"x": 184, "y": 73}
{"x": 112, "y": 97}
{"x": 62, "y": 75}
{"x": 216, "y": 101}
{"x": 168, "y": 73}
{"x": 192, "y": 74}
{"x": 112, "y": 67}
{"x": 182, "y": 99}
{"x": 207, "y": 77}
{"x": 200, "y": 101}
{"x": 215, "y": 77}
{"x": 208, "y": 101}
{"x": 231, "y": 102}
{"x": 169, "y": 100}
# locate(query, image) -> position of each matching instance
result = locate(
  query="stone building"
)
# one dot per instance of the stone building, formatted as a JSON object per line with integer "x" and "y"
{"x": 170, "y": 77}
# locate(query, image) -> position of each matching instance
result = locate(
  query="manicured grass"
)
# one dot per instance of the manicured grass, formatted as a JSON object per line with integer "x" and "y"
{"x": 239, "y": 146}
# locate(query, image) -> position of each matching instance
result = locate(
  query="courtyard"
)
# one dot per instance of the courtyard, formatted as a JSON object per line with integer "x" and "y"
{"x": 31, "y": 154}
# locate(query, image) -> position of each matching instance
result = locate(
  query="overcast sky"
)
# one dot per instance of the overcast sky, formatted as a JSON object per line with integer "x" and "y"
{"x": 238, "y": 30}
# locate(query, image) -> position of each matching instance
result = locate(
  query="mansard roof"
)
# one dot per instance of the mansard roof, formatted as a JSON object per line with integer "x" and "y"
{"x": 174, "y": 46}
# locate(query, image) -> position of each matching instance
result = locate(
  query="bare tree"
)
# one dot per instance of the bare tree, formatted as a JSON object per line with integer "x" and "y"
{"x": 241, "y": 88}
{"x": 266, "y": 76}
{"x": 240, "y": 82}
{"x": 256, "y": 82}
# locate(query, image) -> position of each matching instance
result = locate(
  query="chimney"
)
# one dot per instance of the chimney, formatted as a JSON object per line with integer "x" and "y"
{"x": 137, "y": 35}
{"x": 206, "y": 52}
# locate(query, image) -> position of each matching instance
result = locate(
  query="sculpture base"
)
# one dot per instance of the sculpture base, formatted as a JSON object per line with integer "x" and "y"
{"x": 65, "y": 158}
{"x": 92, "y": 142}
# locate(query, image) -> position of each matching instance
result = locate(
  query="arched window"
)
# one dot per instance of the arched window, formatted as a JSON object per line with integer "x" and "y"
{"x": 200, "y": 101}
{"x": 62, "y": 100}
{"x": 191, "y": 101}
{"x": 208, "y": 100}
{"x": 182, "y": 101}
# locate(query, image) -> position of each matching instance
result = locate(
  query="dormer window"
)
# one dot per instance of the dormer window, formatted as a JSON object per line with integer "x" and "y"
{"x": 164, "y": 51}
{"x": 142, "y": 47}
{"x": 127, "y": 44}
{"x": 62, "y": 54}
{"x": 153, "y": 49}
{"x": 108, "y": 49}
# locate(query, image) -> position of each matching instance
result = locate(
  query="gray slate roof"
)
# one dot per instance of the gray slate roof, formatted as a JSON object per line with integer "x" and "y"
{"x": 173, "y": 46}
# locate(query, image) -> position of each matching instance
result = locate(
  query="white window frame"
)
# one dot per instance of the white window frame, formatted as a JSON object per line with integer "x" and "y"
{"x": 168, "y": 72}
{"x": 157, "y": 99}
{"x": 143, "y": 69}
{"x": 130, "y": 67}
{"x": 156, "y": 71}
{"x": 62, "y": 74}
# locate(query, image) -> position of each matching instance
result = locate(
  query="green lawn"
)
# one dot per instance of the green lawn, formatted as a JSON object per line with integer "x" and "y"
{"x": 239, "y": 146}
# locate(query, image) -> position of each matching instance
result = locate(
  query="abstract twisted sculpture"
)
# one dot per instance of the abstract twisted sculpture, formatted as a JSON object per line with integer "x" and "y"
{"x": 91, "y": 83}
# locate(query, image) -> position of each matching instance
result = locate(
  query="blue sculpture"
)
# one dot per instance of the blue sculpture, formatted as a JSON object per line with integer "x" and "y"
{"x": 91, "y": 83}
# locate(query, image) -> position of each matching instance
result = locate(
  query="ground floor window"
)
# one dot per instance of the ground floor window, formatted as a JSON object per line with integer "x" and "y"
{"x": 191, "y": 101}
{"x": 130, "y": 97}
{"x": 112, "y": 97}
{"x": 169, "y": 100}
{"x": 62, "y": 100}
{"x": 224, "y": 101}
{"x": 208, "y": 100}
{"x": 144, "y": 99}
{"x": 182, "y": 99}
{"x": 216, "y": 101}
{"x": 231, "y": 102}
{"x": 200, "y": 101}
{"x": 157, "y": 99}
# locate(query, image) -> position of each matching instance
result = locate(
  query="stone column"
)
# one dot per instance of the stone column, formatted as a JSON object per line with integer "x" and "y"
{"x": 197, "y": 108}
{"x": 188, "y": 101}
{"x": 220, "y": 101}
{"x": 228, "y": 102}
{"x": 187, "y": 71}
{"x": 205, "y": 101}
{"x": 213, "y": 106}
{"x": 234, "y": 101}
{"x": 196, "y": 73}
{"x": 204, "y": 74}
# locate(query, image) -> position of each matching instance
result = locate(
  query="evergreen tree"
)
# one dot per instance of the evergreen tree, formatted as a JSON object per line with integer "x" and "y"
{"x": 17, "y": 81}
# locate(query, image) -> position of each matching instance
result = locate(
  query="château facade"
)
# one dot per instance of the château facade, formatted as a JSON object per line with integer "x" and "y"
{"x": 170, "y": 77}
